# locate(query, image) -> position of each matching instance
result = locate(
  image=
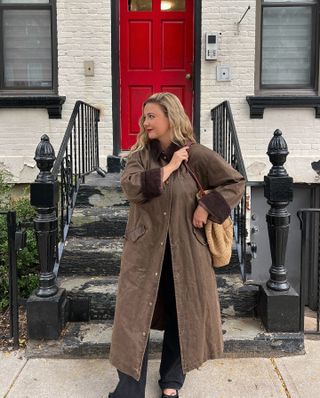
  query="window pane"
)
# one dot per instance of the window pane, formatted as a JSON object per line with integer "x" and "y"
{"x": 140, "y": 5}
{"x": 27, "y": 48}
{"x": 286, "y": 45}
{"x": 25, "y": 1}
{"x": 174, "y": 5}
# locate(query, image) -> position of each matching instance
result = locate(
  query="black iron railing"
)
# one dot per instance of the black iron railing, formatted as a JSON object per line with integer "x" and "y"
{"x": 54, "y": 192}
{"x": 310, "y": 263}
{"x": 16, "y": 241}
{"x": 225, "y": 142}
{"x": 78, "y": 156}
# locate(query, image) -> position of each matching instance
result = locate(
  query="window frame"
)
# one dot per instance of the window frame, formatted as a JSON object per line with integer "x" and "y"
{"x": 303, "y": 90}
{"x": 51, "y": 6}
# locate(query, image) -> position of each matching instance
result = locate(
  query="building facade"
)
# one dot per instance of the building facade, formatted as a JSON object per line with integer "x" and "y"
{"x": 262, "y": 56}
{"x": 89, "y": 50}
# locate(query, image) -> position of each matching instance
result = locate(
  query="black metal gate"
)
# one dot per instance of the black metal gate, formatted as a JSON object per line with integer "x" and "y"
{"x": 310, "y": 265}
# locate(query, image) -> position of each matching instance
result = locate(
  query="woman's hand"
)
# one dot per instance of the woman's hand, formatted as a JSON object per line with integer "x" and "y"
{"x": 200, "y": 217}
{"x": 178, "y": 157}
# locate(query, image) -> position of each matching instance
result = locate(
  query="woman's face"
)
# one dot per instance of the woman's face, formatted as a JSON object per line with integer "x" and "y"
{"x": 156, "y": 123}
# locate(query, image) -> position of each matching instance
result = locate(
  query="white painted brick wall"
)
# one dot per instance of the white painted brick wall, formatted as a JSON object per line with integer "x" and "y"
{"x": 299, "y": 126}
{"x": 84, "y": 33}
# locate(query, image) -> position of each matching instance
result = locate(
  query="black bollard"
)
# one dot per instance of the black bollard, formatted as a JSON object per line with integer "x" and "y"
{"x": 46, "y": 306}
{"x": 44, "y": 196}
{"x": 278, "y": 304}
{"x": 278, "y": 191}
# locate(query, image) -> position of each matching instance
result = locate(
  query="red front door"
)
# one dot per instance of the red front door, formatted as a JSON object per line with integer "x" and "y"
{"x": 156, "y": 54}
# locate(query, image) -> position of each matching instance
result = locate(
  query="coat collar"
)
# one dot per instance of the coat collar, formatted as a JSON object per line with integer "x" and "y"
{"x": 158, "y": 152}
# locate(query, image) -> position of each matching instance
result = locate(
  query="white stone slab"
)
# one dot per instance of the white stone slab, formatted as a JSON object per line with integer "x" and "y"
{"x": 11, "y": 364}
{"x": 234, "y": 378}
{"x": 302, "y": 373}
{"x": 227, "y": 378}
{"x": 77, "y": 378}
{"x": 65, "y": 378}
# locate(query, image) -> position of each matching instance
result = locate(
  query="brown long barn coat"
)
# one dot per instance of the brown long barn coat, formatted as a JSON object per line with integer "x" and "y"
{"x": 156, "y": 211}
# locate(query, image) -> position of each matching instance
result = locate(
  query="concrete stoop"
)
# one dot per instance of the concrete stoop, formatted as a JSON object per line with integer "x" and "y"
{"x": 243, "y": 337}
{"x": 89, "y": 272}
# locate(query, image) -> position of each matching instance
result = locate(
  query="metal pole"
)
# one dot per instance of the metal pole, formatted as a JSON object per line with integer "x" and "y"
{"x": 302, "y": 218}
{"x": 13, "y": 283}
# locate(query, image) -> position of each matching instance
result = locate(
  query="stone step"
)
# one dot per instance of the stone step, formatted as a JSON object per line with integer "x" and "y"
{"x": 90, "y": 196}
{"x": 236, "y": 299}
{"x": 100, "y": 291}
{"x": 91, "y": 256}
{"x": 243, "y": 337}
{"x": 99, "y": 191}
{"x": 102, "y": 255}
{"x": 99, "y": 221}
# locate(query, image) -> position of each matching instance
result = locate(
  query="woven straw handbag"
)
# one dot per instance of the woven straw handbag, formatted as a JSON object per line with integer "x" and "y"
{"x": 219, "y": 236}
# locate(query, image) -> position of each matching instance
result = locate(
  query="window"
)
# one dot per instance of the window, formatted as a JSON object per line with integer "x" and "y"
{"x": 27, "y": 46}
{"x": 289, "y": 39}
{"x": 140, "y": 5}
{"x": 287, "y": 56}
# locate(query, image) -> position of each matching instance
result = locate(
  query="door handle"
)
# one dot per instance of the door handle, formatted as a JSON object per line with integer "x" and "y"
{"x": 188, "y": 76}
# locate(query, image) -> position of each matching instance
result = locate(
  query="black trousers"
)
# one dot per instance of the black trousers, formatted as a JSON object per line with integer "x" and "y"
{"x": 171, "y": 375}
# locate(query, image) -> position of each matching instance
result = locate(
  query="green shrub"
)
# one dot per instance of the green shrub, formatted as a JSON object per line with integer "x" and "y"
{"x": 27, "y": 258}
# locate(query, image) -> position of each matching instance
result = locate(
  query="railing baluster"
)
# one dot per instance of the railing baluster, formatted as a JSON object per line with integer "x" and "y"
{"x": 79, "y": 142}
{"x": 82, "y": 138}
{"x": 91, "y": 138}
{"x": 225, "y": 142}
{"x": 75, "y": 153}
{"x": 86, "y": 137}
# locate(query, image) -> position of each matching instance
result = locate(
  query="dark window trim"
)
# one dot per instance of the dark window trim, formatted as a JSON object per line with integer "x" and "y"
{"x": 197, "y": 4}
{"x": 51, "y": 6}
{"x": 115, "y": 26}
{"x": 115, "y": 70}
{"x": 283, "y": 97}
{"x": 259, "y": 103}
{"x": 53, "y": 103}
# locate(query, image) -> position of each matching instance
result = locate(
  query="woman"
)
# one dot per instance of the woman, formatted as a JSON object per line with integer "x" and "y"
{"x": 166, "y": 280}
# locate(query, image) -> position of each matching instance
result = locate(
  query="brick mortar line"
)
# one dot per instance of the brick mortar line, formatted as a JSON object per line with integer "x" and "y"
{"x": 15, "y": 379}
{"x": 283, "y": 383}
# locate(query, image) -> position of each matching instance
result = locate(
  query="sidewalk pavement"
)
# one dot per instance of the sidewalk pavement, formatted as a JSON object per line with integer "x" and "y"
{"x": 294, "y": 376}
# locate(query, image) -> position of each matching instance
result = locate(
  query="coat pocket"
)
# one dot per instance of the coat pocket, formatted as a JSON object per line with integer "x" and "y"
{"x": 200, "y": 235}
{"x": 135, "y": 234}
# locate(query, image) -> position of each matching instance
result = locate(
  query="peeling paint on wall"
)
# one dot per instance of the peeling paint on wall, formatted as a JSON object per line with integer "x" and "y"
{"x": 27, "y": 173}
{"x": 256, "y": 169}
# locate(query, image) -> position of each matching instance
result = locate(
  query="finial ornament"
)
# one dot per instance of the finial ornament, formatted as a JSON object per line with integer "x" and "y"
{"x": 45, "y": 157}
{"x": 277, "y": 152}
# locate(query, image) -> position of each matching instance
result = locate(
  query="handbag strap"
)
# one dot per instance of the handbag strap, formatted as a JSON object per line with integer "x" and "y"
{"x": 193, "y": 174}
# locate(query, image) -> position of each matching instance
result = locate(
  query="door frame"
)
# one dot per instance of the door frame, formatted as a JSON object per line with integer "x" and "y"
{"x": 115, "y": 70}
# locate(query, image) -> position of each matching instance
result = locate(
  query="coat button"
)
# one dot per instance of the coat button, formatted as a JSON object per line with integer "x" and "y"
{"x": 161, "y": 243}
{"x": 156, "y": 274}
{"x": 164, "y": 213}
{"x": 150, "y": 303}
{"x": 144, "y": 333}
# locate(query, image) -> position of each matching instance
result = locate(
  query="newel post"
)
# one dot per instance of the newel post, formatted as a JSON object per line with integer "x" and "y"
{"x": 278, "y": 190}
{"x": 278, "y": 302}
{"x": 46, "y": 306}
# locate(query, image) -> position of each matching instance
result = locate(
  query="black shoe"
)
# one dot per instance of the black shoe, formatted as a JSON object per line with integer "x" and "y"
{"x": 170, "y": 396}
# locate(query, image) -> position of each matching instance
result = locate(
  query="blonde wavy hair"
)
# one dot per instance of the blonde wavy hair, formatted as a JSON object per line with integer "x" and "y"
{"x": 179, "y": 122}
